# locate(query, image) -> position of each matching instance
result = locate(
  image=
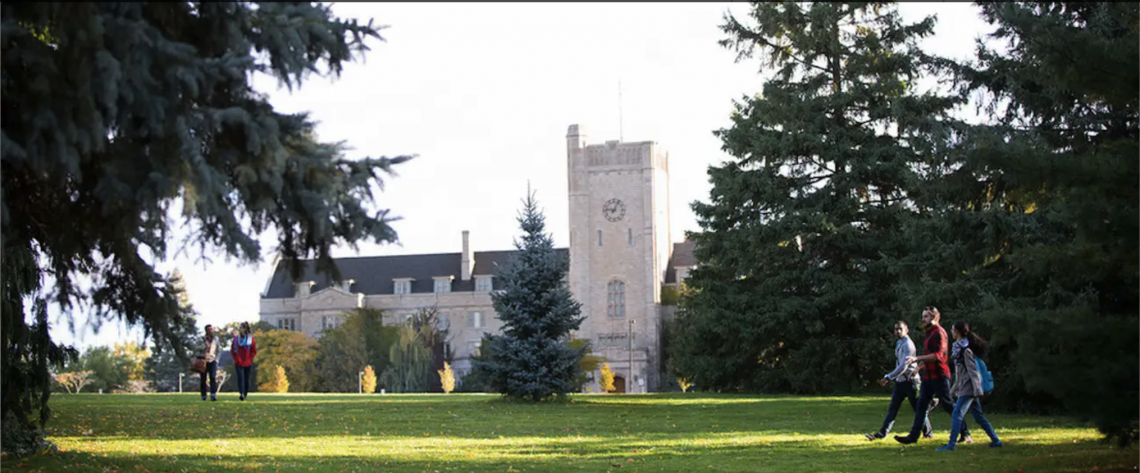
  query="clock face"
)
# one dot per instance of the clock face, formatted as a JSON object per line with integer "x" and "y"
{"x": 613, "y": 210}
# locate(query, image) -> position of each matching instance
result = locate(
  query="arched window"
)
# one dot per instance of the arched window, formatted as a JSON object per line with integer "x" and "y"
{"x": 615, "y": 306}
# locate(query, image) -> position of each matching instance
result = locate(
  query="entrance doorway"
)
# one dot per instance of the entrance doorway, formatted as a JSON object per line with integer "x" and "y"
{"x": 619, "y": 384}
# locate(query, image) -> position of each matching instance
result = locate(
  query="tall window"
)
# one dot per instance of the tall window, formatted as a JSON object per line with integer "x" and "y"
{"x": 599, "y": 238}
{"x": 630, "y": 243}
{"x": 482, "y": 283}
{"x": 615, "y": 291}
{"x": 475, "y": 319}
{"x": 287, "y": 324}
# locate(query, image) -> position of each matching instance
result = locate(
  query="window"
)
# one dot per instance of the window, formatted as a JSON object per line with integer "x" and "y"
{"x": 682, "y": 274}
{"x": 630, "y": 237}
{"x": 444, "y": 322}
{"x": 475, "y": 319}
{"x": 615, "y": 300}
{"x": 442, "y": 285}
{"x": 473, "y": 348}
{"x": 599, "y": 238}
{"x": 287, "y": 324}
{"x": 403, "y": 286}
{"x": 482, "y": 283}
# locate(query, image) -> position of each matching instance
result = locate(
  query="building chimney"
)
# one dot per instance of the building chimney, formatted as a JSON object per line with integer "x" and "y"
{"x": 468, "y": 259}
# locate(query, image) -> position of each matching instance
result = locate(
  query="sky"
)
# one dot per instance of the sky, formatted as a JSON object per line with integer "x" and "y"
{"x": 483, "y": 94}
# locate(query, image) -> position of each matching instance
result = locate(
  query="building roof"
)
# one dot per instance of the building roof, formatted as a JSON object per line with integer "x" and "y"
{"x": 374, "y": 275}
{"x": 682, "y": 257}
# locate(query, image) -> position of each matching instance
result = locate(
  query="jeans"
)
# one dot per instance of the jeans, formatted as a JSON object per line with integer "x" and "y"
{"x": 212, "y": 370}
{"x": 931, "y": 389}
{"x": 958, "y": 418}
{"x": 243, "y": 374}
{"x": 904, "y": 390}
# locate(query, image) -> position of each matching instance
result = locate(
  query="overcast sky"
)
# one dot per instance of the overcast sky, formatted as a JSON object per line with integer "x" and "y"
{"x": 484, "y": 93}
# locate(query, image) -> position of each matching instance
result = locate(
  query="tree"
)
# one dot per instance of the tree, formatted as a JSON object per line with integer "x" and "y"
{"x": 164, "y": 364}
{"x": 360, "y": 340}
{"x": 106, "y": 368}
{"x": 409, "y": 370}
{"x": 532, "y": 358}
{"x": 606, "y": 383}
{"x": 132, "y": 359}
{"x": 74, "y": 381}
{"x": 794, "y": 292}
{"x": 1036, "y": 213}
{"x": 369, "y": 382}
{"x": 426, "y": 322}
{"x": 278, "y": 382}
{"x": 588, "y": 364}
{"x": 447, "y": 378}
{"x": 117, "y": 119}
{"x": 295, "y": 352}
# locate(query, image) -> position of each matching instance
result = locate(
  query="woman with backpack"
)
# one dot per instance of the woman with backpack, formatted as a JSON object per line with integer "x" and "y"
{"x": 967, "y": 384}
{"x": 244, "y": 348}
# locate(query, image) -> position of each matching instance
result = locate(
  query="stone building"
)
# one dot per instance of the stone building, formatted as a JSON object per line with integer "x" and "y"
{"x": 621, "y": 257}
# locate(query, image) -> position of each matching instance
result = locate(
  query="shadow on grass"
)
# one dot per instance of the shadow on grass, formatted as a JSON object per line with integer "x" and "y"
{"x": 599, "y": 454}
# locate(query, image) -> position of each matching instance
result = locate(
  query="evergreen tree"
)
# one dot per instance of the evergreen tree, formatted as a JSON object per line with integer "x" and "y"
{"x": 1036, "y": 214}
{"x": 164, "y": 365}
{"x": 426, "y": 323}
{"x": 115, "y": 115}
{"x": 793, "y": 292}
{"x": 532, "y": 358}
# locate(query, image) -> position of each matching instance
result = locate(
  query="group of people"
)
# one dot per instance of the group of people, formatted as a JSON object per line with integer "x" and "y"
{"x": 243, "y": 348}
{"x": 930, "y": 374}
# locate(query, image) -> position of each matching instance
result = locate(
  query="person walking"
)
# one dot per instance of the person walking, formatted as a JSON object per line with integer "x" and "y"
{"x": 935, "y": 375}
{"x": 967, "y": 384}
{"x": 906, "y": 384}
{"x": 244, "y": 348}
{"x": 210, "y": 352}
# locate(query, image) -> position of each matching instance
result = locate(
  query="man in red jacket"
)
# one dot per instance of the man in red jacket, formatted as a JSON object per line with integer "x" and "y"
{"x": 244, "y": 348}
{"x": 935, "y": 374}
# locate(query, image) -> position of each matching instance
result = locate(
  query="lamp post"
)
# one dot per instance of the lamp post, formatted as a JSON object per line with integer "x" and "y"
{"x": 629, "y": 382}
{"x": 180, "y": 376}
{"x": 360, "y": 382}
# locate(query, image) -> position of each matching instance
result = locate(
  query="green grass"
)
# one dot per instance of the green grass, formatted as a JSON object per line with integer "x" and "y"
{"x": 427, "y": 433}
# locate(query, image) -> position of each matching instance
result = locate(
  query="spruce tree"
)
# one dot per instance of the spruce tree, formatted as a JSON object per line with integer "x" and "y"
{"x": 120, "y": 118}
{"x": 164, "y": 365}
{"x": 532, "y": 359}
{"x": 793, "y": 292}
{"x": 1030, "y": 233}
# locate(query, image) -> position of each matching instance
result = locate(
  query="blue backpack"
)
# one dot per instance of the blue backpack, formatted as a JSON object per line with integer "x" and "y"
{"x": 987, "y": 377}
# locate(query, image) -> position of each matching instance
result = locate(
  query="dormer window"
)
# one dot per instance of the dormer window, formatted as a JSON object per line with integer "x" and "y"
{"x": 682, "y": 274}
{"x": 302, "y": 288}
{"x": 442, "y": 284}
{"x": 346, "y": 285}
{"x": 402, "y": 286}
{"x": 483, "y": 284}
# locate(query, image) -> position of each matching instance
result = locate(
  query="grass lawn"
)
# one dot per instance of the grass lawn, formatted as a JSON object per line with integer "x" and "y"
{"x": 427, "y": 433}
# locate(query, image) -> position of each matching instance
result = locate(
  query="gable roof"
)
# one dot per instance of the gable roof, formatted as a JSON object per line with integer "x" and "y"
{"x": 374, "y": 275}
{"x": 682, "y": 256}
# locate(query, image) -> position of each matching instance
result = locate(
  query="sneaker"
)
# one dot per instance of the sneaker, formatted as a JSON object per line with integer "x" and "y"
{"x": 967, "y": 439}
{"x": 203, "y": 398}
{"x": 904, "y": 440}
{"x": 996, "y": 444}
{"x": 213, "y": 398}
{"x": 927, "y": 436}
{"x": 874, "y": 436}
{"x": 241, "y": 398}
{"x": 945, "y": 448}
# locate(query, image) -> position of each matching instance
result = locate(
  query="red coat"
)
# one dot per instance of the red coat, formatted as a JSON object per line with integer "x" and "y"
{"x": 243, "y": 356}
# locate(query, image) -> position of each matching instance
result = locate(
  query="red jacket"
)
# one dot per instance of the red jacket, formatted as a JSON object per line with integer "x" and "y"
{"x": 243, "y": 355}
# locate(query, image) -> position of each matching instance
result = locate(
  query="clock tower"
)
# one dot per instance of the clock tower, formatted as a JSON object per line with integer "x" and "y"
{"x": 619, "y": 249}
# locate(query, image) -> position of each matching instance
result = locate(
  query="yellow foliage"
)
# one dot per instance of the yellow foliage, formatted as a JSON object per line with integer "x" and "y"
{"x": 278, "y": 384}
{"x": 684, "y": 383}
{"x": 133, "y": 359}
{"x": 369, "y": 380}
{"x": 447, "y": 378}
{"x": 607, "y": 381}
